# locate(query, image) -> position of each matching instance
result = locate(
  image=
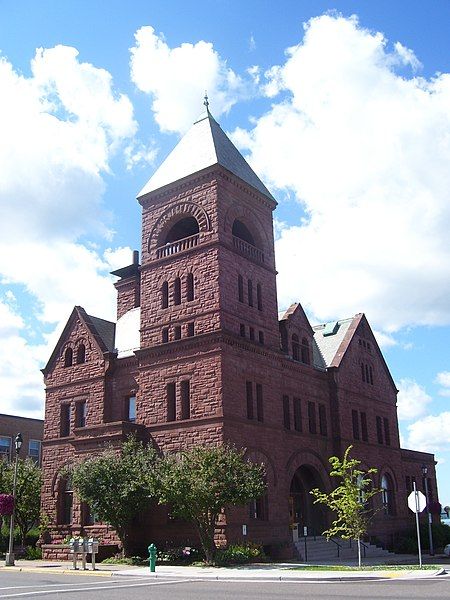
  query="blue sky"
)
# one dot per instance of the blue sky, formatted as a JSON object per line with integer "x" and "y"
{"x": 347, "y": 119}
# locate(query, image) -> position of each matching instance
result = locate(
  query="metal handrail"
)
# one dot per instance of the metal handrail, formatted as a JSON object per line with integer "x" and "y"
{"x": 338, "y": 545}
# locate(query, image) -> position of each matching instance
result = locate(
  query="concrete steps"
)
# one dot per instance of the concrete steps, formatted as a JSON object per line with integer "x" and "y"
{"x": 319, "y": 549}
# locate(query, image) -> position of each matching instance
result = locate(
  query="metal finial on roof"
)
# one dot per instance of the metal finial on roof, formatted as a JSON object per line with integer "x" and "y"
{"x": 206, "y": 102}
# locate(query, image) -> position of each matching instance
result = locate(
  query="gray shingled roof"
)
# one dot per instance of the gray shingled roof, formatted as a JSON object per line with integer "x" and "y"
{"x": 106, "y": 331}
{"x": 204, "y": 145}
{"x": 328, "y": 345}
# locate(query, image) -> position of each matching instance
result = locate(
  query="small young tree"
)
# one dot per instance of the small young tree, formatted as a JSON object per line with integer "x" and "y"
{"x": 28, "y": 493}
{"x": 198, "y": 483}
{"x": 349, "y": 499}
{"x": 117, "y": 486}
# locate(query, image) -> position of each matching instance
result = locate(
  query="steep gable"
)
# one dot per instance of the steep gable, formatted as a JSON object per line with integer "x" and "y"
{"x": 94, "y": 334}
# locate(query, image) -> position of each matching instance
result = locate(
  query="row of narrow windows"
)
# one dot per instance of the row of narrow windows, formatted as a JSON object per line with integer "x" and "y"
{"x": 80, "y": 409}
{"x": 177, "y": 332}
{"x": 80, "y": 355}
{"x": 254, "y": 396}
{"x": 178, "y": 287}
{"x": 365, "y": 344}
{"x": 359, "y": 425}
{"x": 300, "y": 352}
{"x": 178, "y": 400}
{"x": 251, "y": 333}
{"x": 251, "y": 297}
{"x": 367, "y": 373}
{"x": 292, "y": 418}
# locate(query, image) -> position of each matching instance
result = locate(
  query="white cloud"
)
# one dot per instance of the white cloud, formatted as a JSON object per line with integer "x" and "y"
{"x": 176, "y": 79}
{"x": 366, "y": 152}
{"x": 412, "y": 400}
{"x": 430, "y": 434}
{"x": 443, "y": 379}
{"x": 59, "y": 129}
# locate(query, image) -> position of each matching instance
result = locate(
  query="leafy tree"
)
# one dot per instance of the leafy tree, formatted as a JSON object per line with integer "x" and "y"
{"x": 349, "y": 499}
{"x": 117, "y": 485}
{"x": 198, "y": 483}
{"x": 28, "y": 493}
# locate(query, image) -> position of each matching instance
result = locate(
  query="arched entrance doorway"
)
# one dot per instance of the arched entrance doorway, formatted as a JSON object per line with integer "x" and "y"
{"x": 301, "y": 503}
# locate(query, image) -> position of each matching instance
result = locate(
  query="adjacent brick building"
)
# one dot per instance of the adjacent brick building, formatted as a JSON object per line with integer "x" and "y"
{"x": 199, "y": 355}
{"x": 32, "y": 431}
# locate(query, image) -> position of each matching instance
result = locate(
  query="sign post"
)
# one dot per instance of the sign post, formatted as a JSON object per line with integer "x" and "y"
{"x": 416, "y": 503}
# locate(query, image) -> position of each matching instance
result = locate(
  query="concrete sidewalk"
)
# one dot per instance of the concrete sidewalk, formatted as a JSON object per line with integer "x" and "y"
{"x": 293, "y": 571}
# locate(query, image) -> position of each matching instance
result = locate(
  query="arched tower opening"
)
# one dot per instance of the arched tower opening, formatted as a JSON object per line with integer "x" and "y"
{"x": 241, "y": 231}
{"x": 182, "y": 229}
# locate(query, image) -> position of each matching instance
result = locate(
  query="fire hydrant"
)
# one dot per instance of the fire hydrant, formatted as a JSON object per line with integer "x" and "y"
{"x": 152, "y": 557}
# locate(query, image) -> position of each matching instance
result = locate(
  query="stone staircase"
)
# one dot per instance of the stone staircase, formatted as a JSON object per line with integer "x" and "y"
{"x": 318, "y": 549}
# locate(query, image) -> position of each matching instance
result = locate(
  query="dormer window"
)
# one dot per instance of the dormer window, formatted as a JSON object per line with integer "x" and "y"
{"x": 295, "y": 347}
{"x": 305, "y": 352}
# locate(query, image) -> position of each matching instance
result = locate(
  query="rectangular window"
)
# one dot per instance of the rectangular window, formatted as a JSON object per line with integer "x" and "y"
{"x": 65, "y": 420}
{"x": 34, "y": 451}
{"x": 249, "y": 390}
{"x": 177, "y": 332}
{"x": 364, "y": 427}
{"x": 190, "y": 329}
{"x": 165, "y": 295}
{"x": 323, "y": 428}
{"x": 240, "y": 288}
{"x": 259, "y": 403}
{"x": 185, "y": 399}
{"x": 371, "y": 375}
{"x": 171, "y": 402}
{"x": 312, "y": 417}
{"x": 286, "y": 413}
{"x": 259, "y": 296}
{"x": 131, "y": 409}
{"x": 379, "y": 430}
{"x": 190, "y": 287}
{"x": 355, "y": 423}
{"x": 387, "y": 433}
{"x": 5, "y": 447}
{"x": 252, "y": 333}
{"x": 250, "y": 292}
{"x": 80, "y": 414}
{"x": 242, "y": 330}
{"x": 165, "y": 335}
{"x": 177, "y": 291}
{"x": 297, "y": 414}
{"x": 261, "y": 337}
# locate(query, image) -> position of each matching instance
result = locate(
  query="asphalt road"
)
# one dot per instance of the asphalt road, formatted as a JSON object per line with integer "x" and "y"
{"x": 70, "y": 587}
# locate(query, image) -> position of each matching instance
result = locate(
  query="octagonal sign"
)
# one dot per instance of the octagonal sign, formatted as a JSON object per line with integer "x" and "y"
{"x": 419, "y": 504}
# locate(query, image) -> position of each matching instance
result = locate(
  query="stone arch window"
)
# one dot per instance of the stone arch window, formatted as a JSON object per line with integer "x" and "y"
{"x": 66, "y": 501}
{"x": 81, "y": 354}
{"x": 177, "y": 291}
{"x": 242, "y": 232}
{"x": 184, "y": 228}
{"x": 68, "y": 357}
{"x": 190, "y": 291}
{"x": 387, "y": 494}
{"x": 305, "y": 351}
{"x": 165, "y": 294}
{"x": 295, "y": 347}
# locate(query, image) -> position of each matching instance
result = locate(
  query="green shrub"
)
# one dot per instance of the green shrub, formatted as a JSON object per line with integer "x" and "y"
{"x": 407, "y": 543}
{"x": 32, "y": 553}
{"x": 131, "y": 561}
{"x": 238, "y": 554}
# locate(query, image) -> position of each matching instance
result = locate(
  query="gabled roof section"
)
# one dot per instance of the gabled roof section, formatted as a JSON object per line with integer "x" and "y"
{"x": 296, "y": 313}
{"x": 334, "y": 338}
{"x": 204, "y": 145}
{"x": 102, "y": 331}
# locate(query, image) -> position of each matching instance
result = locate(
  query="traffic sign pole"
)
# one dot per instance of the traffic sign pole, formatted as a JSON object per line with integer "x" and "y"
{"x": 416, "y": 496}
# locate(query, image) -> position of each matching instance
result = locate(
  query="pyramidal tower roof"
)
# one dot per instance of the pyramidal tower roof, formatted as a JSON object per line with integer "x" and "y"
{"x": 204, "y": 145}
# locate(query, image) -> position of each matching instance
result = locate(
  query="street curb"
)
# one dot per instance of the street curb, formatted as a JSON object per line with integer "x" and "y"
{"x": 54, "y": 570}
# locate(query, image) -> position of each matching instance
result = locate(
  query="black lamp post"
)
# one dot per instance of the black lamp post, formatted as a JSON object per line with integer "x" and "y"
{"x": 430, "y": 533}
{"x": 9, "y": 562}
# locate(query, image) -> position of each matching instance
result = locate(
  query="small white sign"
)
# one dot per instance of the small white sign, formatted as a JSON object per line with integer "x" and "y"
{"x": 417, "y": 501}
{"x": 305, "y": 531}
{"x": 244, "y": 529}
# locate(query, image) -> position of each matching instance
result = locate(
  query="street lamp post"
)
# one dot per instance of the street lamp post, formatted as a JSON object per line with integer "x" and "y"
{"x": 9, "y": 562}
{"x": 430, "y": 533}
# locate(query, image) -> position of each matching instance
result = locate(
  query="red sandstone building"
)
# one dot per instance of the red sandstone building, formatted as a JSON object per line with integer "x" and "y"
{"x": 199, "y": 355}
